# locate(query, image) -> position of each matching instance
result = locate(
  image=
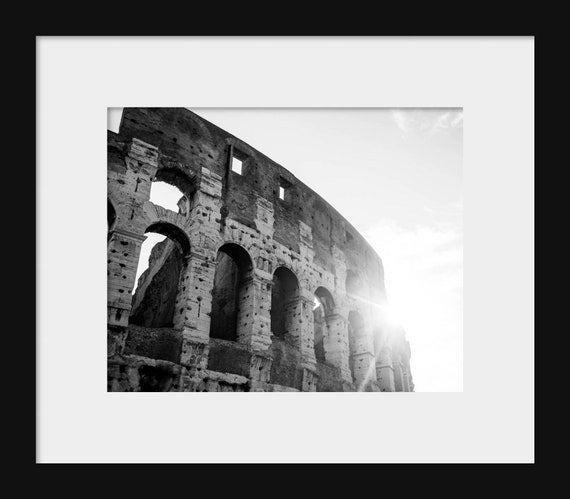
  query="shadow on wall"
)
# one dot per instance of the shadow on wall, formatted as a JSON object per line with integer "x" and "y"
{"x": 154, "y": 301}
{"x": 284, "y": 297}
{"x": 232, "y": 287}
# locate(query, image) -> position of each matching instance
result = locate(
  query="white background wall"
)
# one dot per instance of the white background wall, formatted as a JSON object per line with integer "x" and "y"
{"x": 492, "y": 79}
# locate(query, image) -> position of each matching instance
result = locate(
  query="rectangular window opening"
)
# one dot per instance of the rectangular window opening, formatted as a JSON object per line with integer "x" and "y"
{"x": 281, "y": 192}
{"x": 237, "y": 165}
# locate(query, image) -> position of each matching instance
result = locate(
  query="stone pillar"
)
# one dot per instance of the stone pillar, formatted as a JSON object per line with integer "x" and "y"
{"x": 362, "y": 357}
{"x": 245, "y": 317}
{"x": 406, "y": 381}
{"x": 305, "y": 322}
{"x": 205, "y": 212}
{"x": 254, "y": 322}
{"x": 336, "y": 344}
{"x": 303, "y": 326}
{"x": 398, "y": 376}
{"x": 385, "y": 371}
{"x": 364, "y": 370}
{"x": 193, "y": 307}
{"x": 132, "y": 187}
{"x": 254, "y": 315}
{"x": 194, "y": 300}
{"x": 122, "y": 261}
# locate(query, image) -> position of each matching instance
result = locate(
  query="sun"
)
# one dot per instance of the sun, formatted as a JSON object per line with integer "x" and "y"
{"x": 392, "y": 314}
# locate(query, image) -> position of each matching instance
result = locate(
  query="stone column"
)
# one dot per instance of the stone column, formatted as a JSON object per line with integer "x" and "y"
{"x": 304, "y": 322}
{"x": 122, "y": 260}
{"x": 364, "y": 370}
{"x": 336, "y": 344}
{"x": 254, "y": 312}
{"x": 132, "y": 188}
{"x": 385, "y": 371}
{"x": 363, "y": 359}
{"x": 194, "y": 300}
{"x": 303, "y": 326}
{"x": 245, "y": 317}
{"x": 193, "y": 308}
{"x": 398, "y": 376}
{"x": 254, "y": 322}
{"x": 406, "y": 381}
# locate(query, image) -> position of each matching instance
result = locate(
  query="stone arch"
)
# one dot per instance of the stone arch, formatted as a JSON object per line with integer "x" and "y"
{"x": 154, "y": 301}
{"x": 324, "y": 307}
{"x": 287, "y": 265}
{"x": 184, "y": 183}
{"x": 243, "y": 252}
{"x": 232, "y": 293}
{"x": 156, "y": 215}
{"x": 325, "y": 297}
{"x": 172, "y": 232}
{"x": 111, "y": 216}
{"x": 177, "y": 178}
{"x": 285, "y": 294}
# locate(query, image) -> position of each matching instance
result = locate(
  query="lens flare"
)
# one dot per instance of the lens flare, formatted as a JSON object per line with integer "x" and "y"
{"x": 392, "y": 315}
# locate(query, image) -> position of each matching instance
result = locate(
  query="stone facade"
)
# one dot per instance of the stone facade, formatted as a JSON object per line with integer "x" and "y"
{"x": 261, "y": 285}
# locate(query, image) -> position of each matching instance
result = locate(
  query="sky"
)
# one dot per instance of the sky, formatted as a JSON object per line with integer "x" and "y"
{"x": 396, "y": 176}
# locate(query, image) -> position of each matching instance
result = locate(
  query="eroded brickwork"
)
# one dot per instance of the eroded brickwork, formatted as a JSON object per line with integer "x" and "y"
{"x": 261, "y": 284}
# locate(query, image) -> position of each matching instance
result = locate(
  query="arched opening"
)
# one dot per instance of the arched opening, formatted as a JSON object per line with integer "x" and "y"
{"x": 324, "y": 306}
{"x": 173, "y": 189}
{"x": 284, "y": 298}
{"x": 286, "y": 318}
{"x": 355, "y": 335}
{"x": 161, "y": 261}
{"x": 111, "y": 216}
{"x": 232, "y": 282}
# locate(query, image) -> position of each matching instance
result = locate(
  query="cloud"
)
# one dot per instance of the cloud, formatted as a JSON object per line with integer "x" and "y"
{"x": 427, "y": 121}
{"x": 424, "y": 282}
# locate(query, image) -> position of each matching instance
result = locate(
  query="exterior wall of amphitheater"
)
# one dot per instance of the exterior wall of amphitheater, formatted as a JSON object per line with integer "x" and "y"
{"x": 261, "y": 285}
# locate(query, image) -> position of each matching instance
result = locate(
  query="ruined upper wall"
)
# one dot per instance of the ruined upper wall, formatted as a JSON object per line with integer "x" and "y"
{"x": 185, "y": 138}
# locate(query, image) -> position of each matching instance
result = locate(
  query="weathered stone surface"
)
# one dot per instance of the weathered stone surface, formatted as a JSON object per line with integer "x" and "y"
{"x": 154, "y": 301}
{"x": 157, "y": 343}
{"x": 228, "y": 357}
{"x": 286, "y": 368}
{"x": 250, "y": 292}
{"x": 329, "y": 378}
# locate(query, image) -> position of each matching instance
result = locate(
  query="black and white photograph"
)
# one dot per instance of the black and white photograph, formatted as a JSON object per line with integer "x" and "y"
{"x": 228, "y": 271}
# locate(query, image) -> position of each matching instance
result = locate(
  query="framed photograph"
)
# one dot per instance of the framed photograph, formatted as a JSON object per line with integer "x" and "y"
{"x": 317, "y": 243}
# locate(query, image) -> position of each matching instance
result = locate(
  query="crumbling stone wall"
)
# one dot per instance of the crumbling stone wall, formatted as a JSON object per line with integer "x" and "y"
{"x": 252, "y": 291}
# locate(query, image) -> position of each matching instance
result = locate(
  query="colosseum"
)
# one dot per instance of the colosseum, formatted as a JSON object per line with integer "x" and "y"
{"x": 260, "y": 284}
